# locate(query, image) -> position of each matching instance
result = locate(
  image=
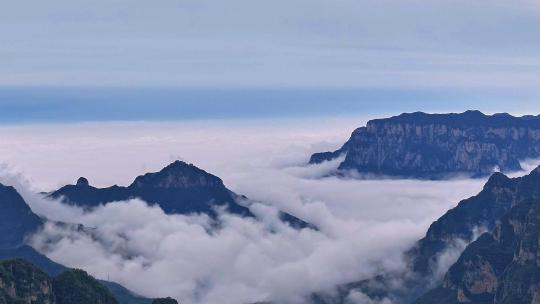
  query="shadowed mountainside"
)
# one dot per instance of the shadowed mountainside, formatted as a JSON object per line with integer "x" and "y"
{"x": 179, "y": 188}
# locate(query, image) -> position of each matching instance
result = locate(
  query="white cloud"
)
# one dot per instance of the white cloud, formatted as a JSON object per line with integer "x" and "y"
{"x": 364, "y": 225}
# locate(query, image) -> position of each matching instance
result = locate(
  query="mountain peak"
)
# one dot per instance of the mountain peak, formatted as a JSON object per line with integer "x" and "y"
{"x": 178, "y": 175}
{"x": 82, "y": 182}
{"x": 178, "y": 165}
{"x": 473, "y": 113}
{"x": 497, "y": 179}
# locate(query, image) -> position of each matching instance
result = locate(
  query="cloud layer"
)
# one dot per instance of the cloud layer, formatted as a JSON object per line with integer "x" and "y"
{"x": 364, "y": 225}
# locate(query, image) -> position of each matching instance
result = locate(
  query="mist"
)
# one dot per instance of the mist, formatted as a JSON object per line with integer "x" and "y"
{"x": 364, "y": 225}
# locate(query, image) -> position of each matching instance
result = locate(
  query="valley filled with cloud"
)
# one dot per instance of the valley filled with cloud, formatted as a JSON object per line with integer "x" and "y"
{"x": 364, "y": 226}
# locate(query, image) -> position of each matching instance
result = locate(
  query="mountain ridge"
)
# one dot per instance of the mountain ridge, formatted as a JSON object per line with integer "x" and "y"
{"x": 438, "y": 146}
{"x": 178, "y": 188}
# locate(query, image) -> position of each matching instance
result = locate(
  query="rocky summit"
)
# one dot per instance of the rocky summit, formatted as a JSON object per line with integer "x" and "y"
{"x": 438, "y": 146}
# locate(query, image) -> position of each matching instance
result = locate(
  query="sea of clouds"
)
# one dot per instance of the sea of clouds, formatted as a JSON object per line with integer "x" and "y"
{"x": 364, "y": 225}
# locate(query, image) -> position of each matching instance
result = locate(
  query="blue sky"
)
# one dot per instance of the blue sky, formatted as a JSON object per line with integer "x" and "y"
{"x": 421, "y": 55}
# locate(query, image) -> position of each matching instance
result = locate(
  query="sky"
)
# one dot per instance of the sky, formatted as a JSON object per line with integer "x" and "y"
{"x": 177, "y": 59}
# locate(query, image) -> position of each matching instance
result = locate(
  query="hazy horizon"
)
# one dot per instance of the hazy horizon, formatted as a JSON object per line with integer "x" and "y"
{"x": 86, "y": 104}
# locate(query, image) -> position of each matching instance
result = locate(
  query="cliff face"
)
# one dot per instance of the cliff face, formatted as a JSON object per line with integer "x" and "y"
{"x": 478, "y": 274}
{"x": 500, "y": 267}
{"x": 482, "y": 211}
{"x": 435, "y": 146}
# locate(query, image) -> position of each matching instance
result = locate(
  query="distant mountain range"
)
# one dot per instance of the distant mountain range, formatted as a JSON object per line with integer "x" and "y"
{"x": 438, "y": 146}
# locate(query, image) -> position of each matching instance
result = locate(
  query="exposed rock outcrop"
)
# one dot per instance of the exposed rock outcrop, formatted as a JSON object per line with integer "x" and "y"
{"x": 436, "y": 146}
{"x": 480, "y": 276}
{"x": 481, "y": 211}
{"x": 22, "y": 282}
{"x": 499, "y": 267}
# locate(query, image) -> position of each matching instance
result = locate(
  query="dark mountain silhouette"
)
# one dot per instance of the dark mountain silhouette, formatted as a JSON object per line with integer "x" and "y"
{"x": 179, "y": 188}
{"x": 436, "y": 146}
{"x": 165, "y": 301}
{"x": 16, "y": 219}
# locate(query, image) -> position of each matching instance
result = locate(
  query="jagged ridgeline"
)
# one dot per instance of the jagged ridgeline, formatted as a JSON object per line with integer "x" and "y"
{"x": 179, "y": 188}
{"x": 436, "y": 146}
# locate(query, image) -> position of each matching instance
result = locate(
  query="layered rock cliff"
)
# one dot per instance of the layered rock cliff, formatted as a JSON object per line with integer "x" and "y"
{"x": 472, "y": 276}
{"x": 435, "y": 146}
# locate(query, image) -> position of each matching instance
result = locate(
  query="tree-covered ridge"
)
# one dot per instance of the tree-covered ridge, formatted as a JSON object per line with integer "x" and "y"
{"x": 76, "y": 286}
{"x": 24, "y": 283}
